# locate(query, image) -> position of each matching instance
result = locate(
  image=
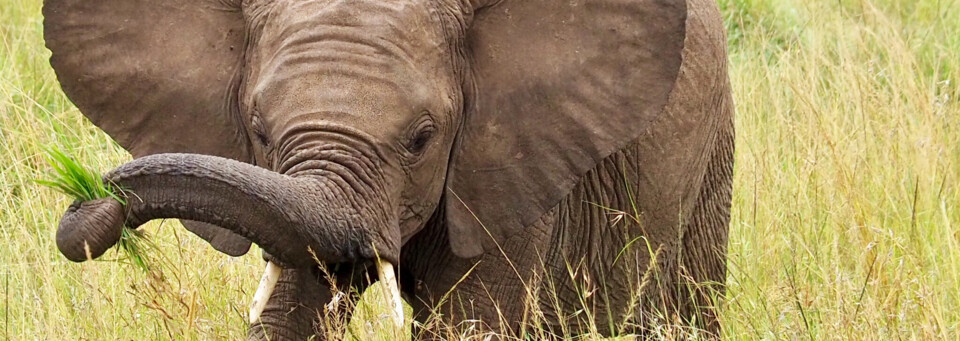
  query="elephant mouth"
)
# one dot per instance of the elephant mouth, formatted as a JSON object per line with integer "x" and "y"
{"x": 296, "y": 220}
{"x": 385, "y": 273}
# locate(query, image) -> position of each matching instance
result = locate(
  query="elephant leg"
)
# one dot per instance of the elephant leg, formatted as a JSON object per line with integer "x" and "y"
{"x": 704, "y": 245}
{"x": 300, "y": 306}
{"x": 577, "y": 269}
{"x": 616, "y": 249}
{"x": 454, "y": 296}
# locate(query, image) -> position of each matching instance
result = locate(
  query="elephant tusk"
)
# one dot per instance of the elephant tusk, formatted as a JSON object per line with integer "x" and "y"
{"x": 389, "y": 278}
{"x": 272, "y": 273}
{"x": 267, "y": 283}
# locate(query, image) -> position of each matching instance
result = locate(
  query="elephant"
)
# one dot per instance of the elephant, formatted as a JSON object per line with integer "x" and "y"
{"x": 481, "y": 148}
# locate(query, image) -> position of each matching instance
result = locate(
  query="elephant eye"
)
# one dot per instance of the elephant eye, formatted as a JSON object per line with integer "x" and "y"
{"x": 423, "y": 131}
{"x": 257, "y": 127}
{"x": 419, "y": 141}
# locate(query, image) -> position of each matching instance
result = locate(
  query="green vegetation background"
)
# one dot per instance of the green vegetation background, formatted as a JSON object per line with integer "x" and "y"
{"x": 845, "y": 214}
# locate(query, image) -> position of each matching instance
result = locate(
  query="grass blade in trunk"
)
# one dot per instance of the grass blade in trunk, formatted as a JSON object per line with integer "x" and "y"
{"x": 84, "y": 184}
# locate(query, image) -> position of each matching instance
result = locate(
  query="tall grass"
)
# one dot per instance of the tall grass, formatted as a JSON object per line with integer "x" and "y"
{"x": 45, "y": 296}
{"x": 845, "y": 214}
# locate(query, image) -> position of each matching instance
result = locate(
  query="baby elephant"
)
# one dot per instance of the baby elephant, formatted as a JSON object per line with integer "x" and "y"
{"x": 504, "y": 162}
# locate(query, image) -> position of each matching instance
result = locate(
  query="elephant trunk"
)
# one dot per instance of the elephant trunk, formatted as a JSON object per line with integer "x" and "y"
{"x": 89, "y": 228}
{"x": 294, "y": 219}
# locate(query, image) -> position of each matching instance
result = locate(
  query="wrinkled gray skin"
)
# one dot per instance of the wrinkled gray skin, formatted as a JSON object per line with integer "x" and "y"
{"x": 483, "y": 147}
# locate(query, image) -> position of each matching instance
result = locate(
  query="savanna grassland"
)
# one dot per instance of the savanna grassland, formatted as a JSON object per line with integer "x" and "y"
{"x": 846, "y": 212}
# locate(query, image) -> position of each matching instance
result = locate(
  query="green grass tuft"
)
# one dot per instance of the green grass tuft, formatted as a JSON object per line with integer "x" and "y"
{"x": 75, "y": 180}
{"x": 83, "y": 184}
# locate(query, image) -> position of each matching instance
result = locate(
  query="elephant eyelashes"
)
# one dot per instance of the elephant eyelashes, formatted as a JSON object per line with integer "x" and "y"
{"x": 257, "y": 127}
{"x": 424, "y": 130}
{"x": 419, "y": 142}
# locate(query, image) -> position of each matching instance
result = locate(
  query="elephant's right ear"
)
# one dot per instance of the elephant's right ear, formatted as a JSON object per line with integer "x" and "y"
{"x": 159, "y": 76}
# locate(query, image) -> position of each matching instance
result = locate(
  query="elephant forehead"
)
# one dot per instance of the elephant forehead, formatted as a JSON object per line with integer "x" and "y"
{"x": 351, "y": 89}
{"x": 401, "y": 28}
{"x": 367, "y": 58}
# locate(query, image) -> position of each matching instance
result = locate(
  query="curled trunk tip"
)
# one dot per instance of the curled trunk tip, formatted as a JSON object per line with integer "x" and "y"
{"x": 90, "y": 228}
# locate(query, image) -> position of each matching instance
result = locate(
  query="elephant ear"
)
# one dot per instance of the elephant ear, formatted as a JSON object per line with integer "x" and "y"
{"x": 558, "y": 87}
{"x": 159, "y": 76}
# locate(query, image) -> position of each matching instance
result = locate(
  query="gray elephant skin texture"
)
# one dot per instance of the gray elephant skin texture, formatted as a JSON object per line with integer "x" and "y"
{"x": 484, "y": 147}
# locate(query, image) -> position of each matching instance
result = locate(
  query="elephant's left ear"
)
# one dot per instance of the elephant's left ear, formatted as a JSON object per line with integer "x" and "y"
{"x": 159, "y": 76}
{"x": 559, "y": 86}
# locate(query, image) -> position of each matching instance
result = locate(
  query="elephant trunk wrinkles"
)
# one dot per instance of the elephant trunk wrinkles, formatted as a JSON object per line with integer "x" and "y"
{"x": 89, "y": 228}
{"x": 291, "y": 218}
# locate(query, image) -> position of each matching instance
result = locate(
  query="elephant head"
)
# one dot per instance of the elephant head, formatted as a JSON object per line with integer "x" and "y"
{"x": 334, "y": 130}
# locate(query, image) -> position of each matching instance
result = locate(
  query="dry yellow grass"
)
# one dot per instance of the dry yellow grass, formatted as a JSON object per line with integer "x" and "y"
{"x": 845, "y": 214}
{"x": 845, "y": 218}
